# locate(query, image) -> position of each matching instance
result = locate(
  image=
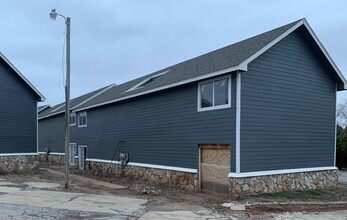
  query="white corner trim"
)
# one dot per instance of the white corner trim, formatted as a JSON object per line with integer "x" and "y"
{"x": 238, "y": 123}
{"x": 19, "y": 154}
{"x": 42, "y": 98}
{"x": 274, "y": 172}
{"x": 187, "y": 170}
{"x": 213, "y": 74}
{"x": 37, "y": 129}
{"x": 335, "y": 125}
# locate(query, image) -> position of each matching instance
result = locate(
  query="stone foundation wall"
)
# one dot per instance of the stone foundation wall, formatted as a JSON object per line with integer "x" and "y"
{"x": 284, "y": 182}
{"x": 15, "y": 164}
{"x": 52, "y": 158}
{"x": 183, "y": 179}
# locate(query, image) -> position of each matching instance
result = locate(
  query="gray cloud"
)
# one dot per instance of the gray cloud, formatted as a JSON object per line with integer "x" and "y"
{"x": 116, "y": 41}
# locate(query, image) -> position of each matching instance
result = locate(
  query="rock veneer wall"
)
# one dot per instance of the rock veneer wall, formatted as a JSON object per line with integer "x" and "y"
{"x": 284, "y": 182}
{"x": 183, "y": 179}
{"x": 15, "y": 164}
{"x": 52, "y": 158}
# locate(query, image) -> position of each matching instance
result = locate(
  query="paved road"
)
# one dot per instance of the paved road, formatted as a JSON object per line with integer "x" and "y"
{"x": 41, "y": 200}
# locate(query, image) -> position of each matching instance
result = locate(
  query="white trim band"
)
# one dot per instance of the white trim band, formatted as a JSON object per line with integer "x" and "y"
{"x": 102, "y": 161}
{"x": 19, "y": 154}
{"x": 53, "y": 153}
{"x": 274, "y": 172}
{"x": 187, "y": 170}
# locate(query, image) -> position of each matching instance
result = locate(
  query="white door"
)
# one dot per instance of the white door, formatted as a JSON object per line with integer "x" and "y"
{"x": 72, "y": 154}
{"x": 81, "y": 157}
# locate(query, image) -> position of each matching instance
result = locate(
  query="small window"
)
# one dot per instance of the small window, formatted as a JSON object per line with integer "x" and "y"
{"x": 214, "y": 94}
{"x": 72, "y": 118}
{"x": 82, "y": 119}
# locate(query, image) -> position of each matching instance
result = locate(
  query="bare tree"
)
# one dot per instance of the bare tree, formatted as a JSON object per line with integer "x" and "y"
{"x": 341, "y": 113}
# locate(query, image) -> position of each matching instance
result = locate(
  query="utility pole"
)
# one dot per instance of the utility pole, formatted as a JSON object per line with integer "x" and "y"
{"x": 53, "y": 16}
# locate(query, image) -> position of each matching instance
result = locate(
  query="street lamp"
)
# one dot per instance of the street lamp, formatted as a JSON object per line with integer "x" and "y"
{"x": 53, "y": 15}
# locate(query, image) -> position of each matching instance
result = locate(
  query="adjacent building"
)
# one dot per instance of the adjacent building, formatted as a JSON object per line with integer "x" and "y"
{"x": 18, "y": 119}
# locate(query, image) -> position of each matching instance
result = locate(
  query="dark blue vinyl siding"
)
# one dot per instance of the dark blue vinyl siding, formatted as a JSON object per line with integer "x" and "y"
{"x": 287, "y": 109}
{"x": 18, "y": 113}
{"x": 162, "y": 128}
{"x": 52, "y": 134}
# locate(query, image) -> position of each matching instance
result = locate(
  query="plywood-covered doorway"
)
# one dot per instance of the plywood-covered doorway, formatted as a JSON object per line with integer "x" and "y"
{"x": 214, "y": 167}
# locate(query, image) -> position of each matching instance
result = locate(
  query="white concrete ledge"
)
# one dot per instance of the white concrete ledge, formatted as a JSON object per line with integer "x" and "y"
{"x": 19, "y": 154}
{"x": 274, "y": 172}
{"x": 181, "y": 169}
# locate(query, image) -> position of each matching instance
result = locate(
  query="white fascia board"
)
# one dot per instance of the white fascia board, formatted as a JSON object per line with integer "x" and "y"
{"x": 42, "y": 98}
{"x": 326, "y": 54}
{"x": 72, "y": 109}
{"x": 19, "y": 154}
{"x": 181, "y": 169}
{"x": 245, "y": 63}
{"x": 213, "y": 74}
{"x": 50, "y": 115}
{"x": 44, "y": 107}
{"x": 92, "y": 97}
{"x": 138, "y": 85}
{"x": 276, "y": 172}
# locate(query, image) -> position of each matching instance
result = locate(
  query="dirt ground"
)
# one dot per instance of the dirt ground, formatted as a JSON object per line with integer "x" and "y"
{"x": 164, "y": 197}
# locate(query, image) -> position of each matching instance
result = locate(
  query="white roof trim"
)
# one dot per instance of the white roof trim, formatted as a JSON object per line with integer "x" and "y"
{"x": 43, "y": 108}
{"x": 90, "y": 98}
{"x": 245, "y": 63}
{"x": 217, "y": 73}
{"x": 97, "y": 94}
{"x": 325, "y": 52}
{"x": 42, "y": 98}
{"x": 139, "y": 85}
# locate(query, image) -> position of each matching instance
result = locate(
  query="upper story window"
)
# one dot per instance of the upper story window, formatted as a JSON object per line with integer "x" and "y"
{"x": 214, "y": 94}
{"x": 82, "y": 119}
{"x": 72, "y": 118}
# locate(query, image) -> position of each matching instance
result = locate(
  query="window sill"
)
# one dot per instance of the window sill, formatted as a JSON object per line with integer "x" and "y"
{"x": 213, "y": 108}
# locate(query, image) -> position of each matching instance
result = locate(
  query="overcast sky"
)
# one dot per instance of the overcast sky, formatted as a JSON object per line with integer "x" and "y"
{"x": 115, "y": 41}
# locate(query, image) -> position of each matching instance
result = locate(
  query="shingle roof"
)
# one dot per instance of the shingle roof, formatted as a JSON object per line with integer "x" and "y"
{"x": 42, "y": 107}
{"x": 41, "y": 97}
{"x": 235, "y": 57}
{"x": 74, "y": 103}
{"x": 221, "y": 59}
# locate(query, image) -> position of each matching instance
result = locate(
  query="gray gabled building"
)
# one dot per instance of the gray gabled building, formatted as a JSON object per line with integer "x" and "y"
{"x": 18, "y": 117}
{"x": 255, "y": 116}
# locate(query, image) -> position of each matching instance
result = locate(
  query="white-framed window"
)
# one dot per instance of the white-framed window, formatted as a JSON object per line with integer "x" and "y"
{"x": 214, "y": 94}
{"x": 72, "y": 118}
{"x": 82, "y": 119}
